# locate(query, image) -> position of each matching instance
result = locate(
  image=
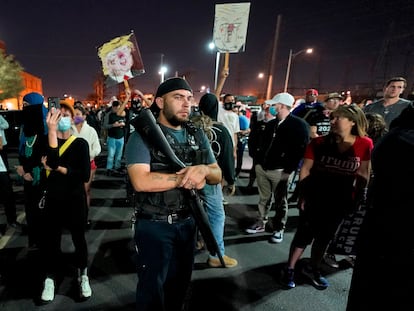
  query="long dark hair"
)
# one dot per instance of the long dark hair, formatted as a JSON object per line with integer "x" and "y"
{"x": 376, "y": 126}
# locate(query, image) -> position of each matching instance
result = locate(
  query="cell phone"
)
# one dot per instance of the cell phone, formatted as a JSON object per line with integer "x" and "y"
{"x": 53, "y": 102}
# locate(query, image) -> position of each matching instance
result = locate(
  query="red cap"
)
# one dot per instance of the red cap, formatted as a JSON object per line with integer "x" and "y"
{"x": 312, "y": 92}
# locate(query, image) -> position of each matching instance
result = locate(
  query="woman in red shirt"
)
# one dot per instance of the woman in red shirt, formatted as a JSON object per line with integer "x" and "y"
{"x": 333, "y": 178}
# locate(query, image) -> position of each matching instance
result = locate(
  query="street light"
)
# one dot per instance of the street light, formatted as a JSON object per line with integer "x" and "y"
{"x": 162, "y": 72}
{"x": 261, "y": 76}
{"x": 291, "y": 57}
{"x": 163, "y": 69}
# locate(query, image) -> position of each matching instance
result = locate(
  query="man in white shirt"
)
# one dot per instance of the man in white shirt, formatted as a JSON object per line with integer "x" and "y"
{"x": 229, "y": 118}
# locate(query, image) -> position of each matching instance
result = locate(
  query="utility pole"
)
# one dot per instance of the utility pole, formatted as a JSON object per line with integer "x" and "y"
{"x": 273, "y": 58}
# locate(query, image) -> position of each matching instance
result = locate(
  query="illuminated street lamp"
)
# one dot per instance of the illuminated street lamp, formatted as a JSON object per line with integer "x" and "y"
{"x": 162, "y": 72}
{"x": 163, "y": 69}
{"x": 291, "y": 57}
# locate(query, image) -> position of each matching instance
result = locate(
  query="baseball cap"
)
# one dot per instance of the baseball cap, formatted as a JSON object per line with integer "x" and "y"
{"x": 281, "y": 98}
{"x": 333, "y": 96}
{"x": 68, "y": 106}
{"x": 312, "y": 92}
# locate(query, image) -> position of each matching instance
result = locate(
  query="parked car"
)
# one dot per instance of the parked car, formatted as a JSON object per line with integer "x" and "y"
{"x": 15, "y": 120}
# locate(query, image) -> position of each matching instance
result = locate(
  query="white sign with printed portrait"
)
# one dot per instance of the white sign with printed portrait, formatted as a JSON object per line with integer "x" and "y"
{"x": 230, "y": 27}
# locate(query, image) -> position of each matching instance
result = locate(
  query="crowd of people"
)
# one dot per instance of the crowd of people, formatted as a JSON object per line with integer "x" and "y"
{"x": 193, "y": 151}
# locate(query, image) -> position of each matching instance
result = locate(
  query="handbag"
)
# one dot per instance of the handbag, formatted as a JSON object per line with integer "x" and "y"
{"x": 345, "y": 240}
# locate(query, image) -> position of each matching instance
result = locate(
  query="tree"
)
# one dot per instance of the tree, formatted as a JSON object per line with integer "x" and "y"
{"x": 11, "y": 81}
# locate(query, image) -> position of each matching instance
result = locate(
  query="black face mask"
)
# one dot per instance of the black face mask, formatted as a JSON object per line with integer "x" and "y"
{"x": 136, "y": 105}
{"x": 229, "y": 106}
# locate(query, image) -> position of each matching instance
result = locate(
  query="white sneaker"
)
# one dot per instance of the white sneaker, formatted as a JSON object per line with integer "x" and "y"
{"x": 84, "y": 287}
{"x": 276, "y": 237}
{"x": 48, "y": 293}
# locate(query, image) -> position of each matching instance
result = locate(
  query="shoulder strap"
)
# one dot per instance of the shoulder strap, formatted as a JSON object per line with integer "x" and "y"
{"x": 63, "y": 148}
{"x": 67, "y": 143}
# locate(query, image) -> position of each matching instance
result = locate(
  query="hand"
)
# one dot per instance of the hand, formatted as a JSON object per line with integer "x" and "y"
{"x": 27, "y": 177}
{"x": 45, "y": 166}
{"x": 225, "y": 73}
{"x": 19, "y": 170}
{"x": 229, "y": 190}
{"x": 194, "y": 177}
{"x": 52, "y": 119}
{"x": 360, "y": 200}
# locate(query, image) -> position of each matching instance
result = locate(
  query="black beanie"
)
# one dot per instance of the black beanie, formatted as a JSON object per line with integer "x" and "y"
{"x": 172, "y": 84}
{"x": 209, "y": 105}
{"x": 169, "y": 85}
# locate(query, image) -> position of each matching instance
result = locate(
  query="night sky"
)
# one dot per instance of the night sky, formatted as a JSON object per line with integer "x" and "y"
{"x": 356, "y": 43}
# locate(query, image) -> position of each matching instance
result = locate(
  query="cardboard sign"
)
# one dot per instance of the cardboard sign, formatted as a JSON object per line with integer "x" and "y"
{"x": 121, "y": 59}
{"x": 230, "y": 27}
{"x": 345, "y": 240}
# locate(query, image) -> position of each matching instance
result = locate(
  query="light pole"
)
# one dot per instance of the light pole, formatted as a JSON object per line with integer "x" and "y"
{"x": 261, "y": 76}
{"x": 212, "y": 46}
{"x": 163, "y": 69}
{"x": 291, "y": 57}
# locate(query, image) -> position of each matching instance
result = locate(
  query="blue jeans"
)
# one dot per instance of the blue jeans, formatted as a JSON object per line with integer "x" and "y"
{"x": 212, "y": 196}
{"x": 115, "y": 149}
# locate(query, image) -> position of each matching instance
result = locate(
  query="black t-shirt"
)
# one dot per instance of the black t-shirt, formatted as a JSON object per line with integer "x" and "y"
{"x": 319, "y": 117}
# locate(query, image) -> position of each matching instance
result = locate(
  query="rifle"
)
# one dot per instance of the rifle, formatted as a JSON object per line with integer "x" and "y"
{"x": 146, "y": 125}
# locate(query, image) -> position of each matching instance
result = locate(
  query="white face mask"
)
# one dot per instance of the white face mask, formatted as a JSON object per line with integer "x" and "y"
{"x": 64, "y": 124}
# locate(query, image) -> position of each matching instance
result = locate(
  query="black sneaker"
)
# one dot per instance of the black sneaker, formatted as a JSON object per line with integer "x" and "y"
{"x": 330, "y": 260}
{"x": 288, "y": 278}
{"x": 317, "y": 280}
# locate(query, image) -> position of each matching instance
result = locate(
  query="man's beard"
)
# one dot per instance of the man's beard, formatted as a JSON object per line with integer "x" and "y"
{"x": 173, "y": 119}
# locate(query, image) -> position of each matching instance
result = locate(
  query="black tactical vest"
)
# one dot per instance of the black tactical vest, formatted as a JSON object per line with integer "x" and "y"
{"x": 190, "y": 153}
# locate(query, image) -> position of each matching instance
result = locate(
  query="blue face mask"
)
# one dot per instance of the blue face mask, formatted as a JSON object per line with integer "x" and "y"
{"x": 64, "y": 124}
{"x": 272, "y": 110}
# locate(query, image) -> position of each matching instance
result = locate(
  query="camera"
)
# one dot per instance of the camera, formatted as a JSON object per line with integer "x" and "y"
{"x": 53, "y": 102}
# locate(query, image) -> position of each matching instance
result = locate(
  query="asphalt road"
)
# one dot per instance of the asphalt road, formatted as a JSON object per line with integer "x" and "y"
{"x": 252, "y": 285}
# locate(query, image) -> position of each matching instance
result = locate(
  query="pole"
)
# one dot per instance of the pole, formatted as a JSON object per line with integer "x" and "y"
{"x": 162, "y": 68}
{"x": 273, "y": 58}
{"x": 288, "y": 70}
{"x": 217, "y": 69}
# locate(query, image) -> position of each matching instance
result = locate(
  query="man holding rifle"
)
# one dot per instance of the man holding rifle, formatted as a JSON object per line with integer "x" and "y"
{"x": 165, "y": 226}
